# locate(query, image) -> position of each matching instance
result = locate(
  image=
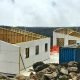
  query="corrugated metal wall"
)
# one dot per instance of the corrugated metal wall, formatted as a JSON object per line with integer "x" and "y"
{"x": 69, "y": 54}
{"x": 77, "y": 56}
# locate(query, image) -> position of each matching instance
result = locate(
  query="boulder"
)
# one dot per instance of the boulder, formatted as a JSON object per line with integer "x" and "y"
{"x": 20, "y": 77}
{"x": 72, "y": 64}
{"x": 72, "y": 69}
{"x": 39, "y": 66}
{"x": 64, "y": 70}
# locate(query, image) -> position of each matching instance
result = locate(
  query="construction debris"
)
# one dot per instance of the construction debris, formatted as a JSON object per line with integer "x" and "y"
{"x": 58, "y": 71}
{"x": 68, "y": 71}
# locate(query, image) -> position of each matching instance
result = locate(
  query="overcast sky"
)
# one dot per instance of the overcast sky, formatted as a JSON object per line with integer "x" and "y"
{"x": 45, "y": 13}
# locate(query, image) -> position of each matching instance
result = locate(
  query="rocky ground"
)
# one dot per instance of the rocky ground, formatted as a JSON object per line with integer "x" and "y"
{"x": 68, "y": 71}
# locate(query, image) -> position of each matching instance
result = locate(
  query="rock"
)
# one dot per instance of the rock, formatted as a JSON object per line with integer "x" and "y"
{"x": 78, "y": 66}
{"x": 54, "y": 74}
{"x": 64, "y": 70}
{"x": 52, "y": 68}
{"x": 72, "y": 74}
{"x": 72, "y": 64}
{"x": 78, "y": 76}
{"x": 40, "y": 74}
{"x": 20, "y": 77}
{"x": 72, "y": 69}
{"x": 63, "y": 77}
{"x": 74, "y": 78}
{"x": 39, "y": 66}
{"x": 49, "y": 76}
{"x": 33, "y": 76}
{"x": 46, "y": 70}
{"x": 59, "y": 67}
{"x": 45, "y": 78}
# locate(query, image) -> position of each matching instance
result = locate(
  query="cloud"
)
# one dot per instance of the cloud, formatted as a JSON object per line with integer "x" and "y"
{"x": 53, "y": 13}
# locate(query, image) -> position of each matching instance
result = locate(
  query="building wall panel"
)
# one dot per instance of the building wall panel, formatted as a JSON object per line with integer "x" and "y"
{"x": 9, "y": 58}
{"x": 66, "y": 38}
{"x": 32, "y": 56}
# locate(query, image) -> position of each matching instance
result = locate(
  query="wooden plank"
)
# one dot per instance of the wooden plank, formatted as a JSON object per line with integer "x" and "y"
{"x": 16, "y": 35}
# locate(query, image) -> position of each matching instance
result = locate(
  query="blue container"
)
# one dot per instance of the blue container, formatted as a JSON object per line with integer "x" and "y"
{"x": 69, "y": 54}
{"x": 77, "y": 55}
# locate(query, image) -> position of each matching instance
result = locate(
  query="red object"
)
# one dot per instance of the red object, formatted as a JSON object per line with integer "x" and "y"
{"x": 55, "y": 49}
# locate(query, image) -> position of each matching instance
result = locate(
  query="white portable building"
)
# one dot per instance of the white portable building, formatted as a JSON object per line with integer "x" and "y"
{"x": 65, "y": 37}
{"x": 37, "y": 50}
{"x": 19, "y": 50}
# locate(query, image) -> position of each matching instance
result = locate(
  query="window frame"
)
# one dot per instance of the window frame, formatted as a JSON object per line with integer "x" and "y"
{"x": 27, "y": 54}
{"x": 46, "y": 47}
{"x": 37, "y": 50}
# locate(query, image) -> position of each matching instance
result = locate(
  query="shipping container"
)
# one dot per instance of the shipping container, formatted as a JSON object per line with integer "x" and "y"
{"x": 77, "y": 56}
{"x": 67, "y": 54}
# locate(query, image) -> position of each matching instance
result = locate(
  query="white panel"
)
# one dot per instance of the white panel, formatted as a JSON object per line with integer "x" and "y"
{"x": 35, "y": 58}
{"x": 11, "y": 68}
{"x": 9, "y": 58}
{"x": 9, "y": 52}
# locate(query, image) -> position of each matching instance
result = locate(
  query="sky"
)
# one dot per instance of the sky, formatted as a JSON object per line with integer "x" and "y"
{"x": 40, "y": 13}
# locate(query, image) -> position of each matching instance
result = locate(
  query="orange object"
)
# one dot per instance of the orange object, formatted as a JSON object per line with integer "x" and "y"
{"x": 54, "y": 49}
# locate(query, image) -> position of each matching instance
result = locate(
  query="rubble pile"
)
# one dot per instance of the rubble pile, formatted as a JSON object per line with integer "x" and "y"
{"x": 68, "y": 71}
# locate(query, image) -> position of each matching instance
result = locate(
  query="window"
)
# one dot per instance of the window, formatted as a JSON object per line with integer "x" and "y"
{"x": 27, "y": 53}
{"x": 37, "y": 50}
{"x": 46, "y": 47}
{"x": 70, "y": 42}
{"x": 60, "y": 41}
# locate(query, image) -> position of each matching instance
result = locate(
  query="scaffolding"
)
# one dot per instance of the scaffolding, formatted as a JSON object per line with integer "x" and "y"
{"x": 15, "y": 35}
